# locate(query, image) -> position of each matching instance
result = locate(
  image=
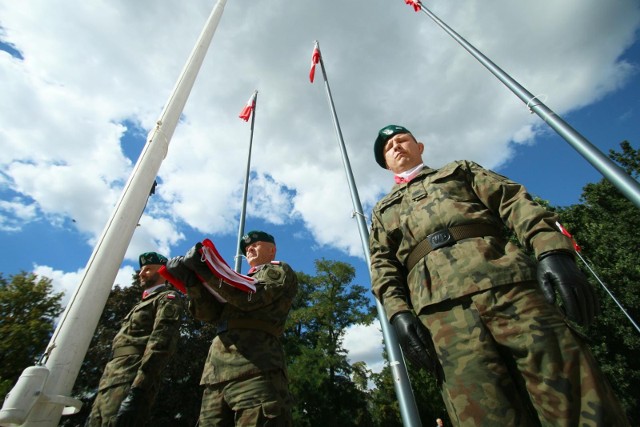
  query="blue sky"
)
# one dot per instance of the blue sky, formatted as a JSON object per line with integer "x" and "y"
{"x": 82, "y": 86}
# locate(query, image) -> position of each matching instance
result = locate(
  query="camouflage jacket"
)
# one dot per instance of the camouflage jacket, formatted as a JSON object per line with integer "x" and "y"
{"x": 150, "y": 332}
{"x": 236, "y": 353}
{"x": 459, "y": 193}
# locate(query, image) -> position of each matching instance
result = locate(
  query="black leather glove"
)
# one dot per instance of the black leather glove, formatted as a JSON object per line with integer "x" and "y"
{"x": 415, "y": 340}
{"x": 558, "y": 272}
{"x": 133, "y": 409}
{"x": 176, "y": 268}
{"x": 193, "y": 261}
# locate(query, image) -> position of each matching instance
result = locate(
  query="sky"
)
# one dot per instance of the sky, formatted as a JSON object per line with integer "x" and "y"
{"x": 83, "y": 83}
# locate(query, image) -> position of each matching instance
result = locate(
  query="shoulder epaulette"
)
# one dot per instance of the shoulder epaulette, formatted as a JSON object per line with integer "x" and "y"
{"x": 276, "y": 262}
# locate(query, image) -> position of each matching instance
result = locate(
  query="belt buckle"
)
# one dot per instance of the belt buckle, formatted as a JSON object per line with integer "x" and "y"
{"x": 440, "y": 239}
{"x": 223, "y": 326}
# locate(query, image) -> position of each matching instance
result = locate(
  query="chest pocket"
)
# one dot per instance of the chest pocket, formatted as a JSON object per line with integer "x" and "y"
{"x": 142, "y": 317}
{"x": 390, "y": 215}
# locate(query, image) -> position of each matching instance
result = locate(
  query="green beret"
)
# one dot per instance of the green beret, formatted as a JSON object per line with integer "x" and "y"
{"x": 152, "y": 258}
{"x": 255, "y": 236}
{"x": 383, "y": 136}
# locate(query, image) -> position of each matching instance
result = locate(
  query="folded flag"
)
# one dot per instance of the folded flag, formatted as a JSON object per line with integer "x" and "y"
{"x": 222, "y": 271}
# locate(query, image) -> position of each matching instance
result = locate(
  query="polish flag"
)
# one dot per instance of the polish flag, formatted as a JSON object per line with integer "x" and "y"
{"x": 245, "y": 114}
{"x": 414, "y": 3}
{"x": 315, "y": 58}
{"x": 566, "y": 233}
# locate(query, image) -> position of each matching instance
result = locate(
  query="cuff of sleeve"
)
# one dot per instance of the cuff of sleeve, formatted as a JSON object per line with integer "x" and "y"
{"x": 551, "y": 242}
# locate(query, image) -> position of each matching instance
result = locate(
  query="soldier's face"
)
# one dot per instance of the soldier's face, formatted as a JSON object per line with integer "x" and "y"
{"x": 402, "y": 152}
{"x": 149, "y": 276}
{"x": 259, "y": 253}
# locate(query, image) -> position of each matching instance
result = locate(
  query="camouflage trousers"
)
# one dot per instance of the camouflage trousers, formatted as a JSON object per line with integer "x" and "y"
{"x": 261, "y": 400}
{"x": 105, "y": 407}
{"x": 107, "y": 403}
{"x": 510, "y": 359}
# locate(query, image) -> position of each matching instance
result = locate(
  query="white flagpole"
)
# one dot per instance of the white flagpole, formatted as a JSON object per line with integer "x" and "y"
{"x": 408, "y": 409}
{"x": 40, "y": 397}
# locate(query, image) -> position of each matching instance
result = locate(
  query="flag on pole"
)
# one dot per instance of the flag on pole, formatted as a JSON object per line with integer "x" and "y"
{"x": 245, "y": 114}
{"x": 566, "y": 233}
{"x": 315, "y": 58}
{"x": 414, "y": 3}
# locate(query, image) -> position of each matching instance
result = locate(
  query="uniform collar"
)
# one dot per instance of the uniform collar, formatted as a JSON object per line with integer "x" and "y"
{"x": 151, "y": 290}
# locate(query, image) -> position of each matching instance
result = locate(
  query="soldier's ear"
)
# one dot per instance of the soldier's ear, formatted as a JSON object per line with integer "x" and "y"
{"x": 421, "y": 145}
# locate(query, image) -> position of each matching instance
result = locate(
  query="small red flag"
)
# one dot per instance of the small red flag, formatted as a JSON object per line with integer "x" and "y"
{"x": 414, "y": 3}
{"x": 315, "y": 58}
{"x": 566, "y": 233}
{"x": 245, "y": 114}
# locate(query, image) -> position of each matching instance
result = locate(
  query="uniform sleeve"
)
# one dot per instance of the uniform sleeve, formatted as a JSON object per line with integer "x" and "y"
{"x": 275, "y": 281}
{"x": 533, "y": 224}
{"x": 204, "y": 306}
{"x": 388, "y": 278}
{"x": 163, "y": 340}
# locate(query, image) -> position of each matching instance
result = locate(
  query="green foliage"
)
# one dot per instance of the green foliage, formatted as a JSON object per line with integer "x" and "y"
{"x": 319, "y": 371}
{"x": 605, "y": 226}
{"x": 27, "y": 312}
{"x": 384, "y": 405}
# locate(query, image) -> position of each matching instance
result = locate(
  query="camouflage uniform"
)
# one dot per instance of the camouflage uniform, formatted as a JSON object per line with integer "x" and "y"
{"x": 245, "y": 374}
{"x": 505, "y": 353}
{"x": 140, "y": 351}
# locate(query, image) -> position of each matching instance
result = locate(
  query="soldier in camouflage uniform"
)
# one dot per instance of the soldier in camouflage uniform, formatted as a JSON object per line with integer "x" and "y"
{"x": 245, "y": 375}
{"x": 140, "y": 351}
{"x": 464, "y": 300}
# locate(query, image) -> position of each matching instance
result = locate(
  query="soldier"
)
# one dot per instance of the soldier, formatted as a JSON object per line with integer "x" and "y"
{"x": 464, "y": 302}
{"x": 245, "y": 374}
{"x": 140, "y": 351}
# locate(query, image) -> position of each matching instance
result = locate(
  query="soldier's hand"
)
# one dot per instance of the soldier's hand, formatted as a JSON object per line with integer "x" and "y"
{"x": 132, "y": 409}
{"x": 178, "y": 270}
{"x": 415, "y": 340}
{"x": 557, "y": 271}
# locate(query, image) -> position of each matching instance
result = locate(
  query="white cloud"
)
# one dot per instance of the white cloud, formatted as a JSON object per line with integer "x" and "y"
{"x": 88, "y": 69}
{"x": 68, "y": 282}
{"x": 364, "y": 343}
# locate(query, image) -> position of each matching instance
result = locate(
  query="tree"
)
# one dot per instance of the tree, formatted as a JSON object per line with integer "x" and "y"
{"x": 320, "y": 374}
{"x": 28, "y": 309}
{"x": 384, "y": 403}
{"x": 605, "y": 226}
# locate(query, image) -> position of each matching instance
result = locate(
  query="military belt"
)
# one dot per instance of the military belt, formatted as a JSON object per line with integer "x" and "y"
{"x": 127, "y": 350}
{"x": 448, "y": 237}
{"x": 258, "y": 325}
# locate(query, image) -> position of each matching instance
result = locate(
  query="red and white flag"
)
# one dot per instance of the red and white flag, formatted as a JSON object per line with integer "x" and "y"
{"x": 245, "y": 114}
{"x": 222, "y": 271}
{"x": 315, "y": 58}
{"x": 566, "y": 233}
{"x": 414, "y": 3}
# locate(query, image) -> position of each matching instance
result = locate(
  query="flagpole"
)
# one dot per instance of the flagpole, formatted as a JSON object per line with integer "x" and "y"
{"x": 402, "y": 385}
{"x": 243, "y": 213}
{"x": 40, "y": 397}
{"x": 592, "y": 271}
{"x": 615, "y": 174}
{"x": 584, "y": 261}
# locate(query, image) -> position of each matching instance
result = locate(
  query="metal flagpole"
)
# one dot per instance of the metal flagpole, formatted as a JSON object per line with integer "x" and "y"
{"x": 592, "y": 271}
{"x": 402, "y": 385}
{"x": 40, "y": 397}
{"x": 584, "y": 261}
{"x": 252, "y": 108}
{"x": 616, "y": 175}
